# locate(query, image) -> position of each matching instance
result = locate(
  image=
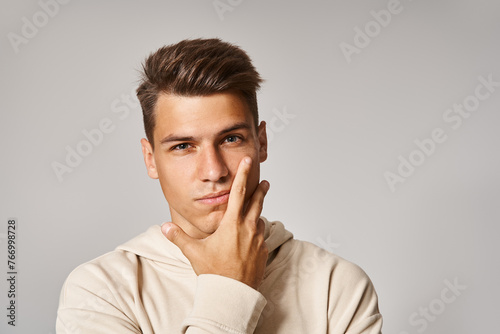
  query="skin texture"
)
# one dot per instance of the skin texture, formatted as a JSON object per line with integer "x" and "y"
{"x": 206, "y": 157}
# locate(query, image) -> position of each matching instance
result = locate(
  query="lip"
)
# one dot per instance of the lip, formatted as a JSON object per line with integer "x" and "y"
{"x": 217, "y": 198}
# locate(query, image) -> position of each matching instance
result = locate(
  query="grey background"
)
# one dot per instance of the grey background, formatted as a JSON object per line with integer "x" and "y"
{"x": 348, "y": 122}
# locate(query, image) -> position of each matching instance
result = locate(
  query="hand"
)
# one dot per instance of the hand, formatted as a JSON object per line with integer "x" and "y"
{"x": 236, "y": 249}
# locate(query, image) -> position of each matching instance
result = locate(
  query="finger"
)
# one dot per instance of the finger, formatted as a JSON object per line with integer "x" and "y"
{"x": 261, "y": 227}
{"x": 178, "y": 237}
{"x": 239, "y": 188}
{"x": 257, "y": 202}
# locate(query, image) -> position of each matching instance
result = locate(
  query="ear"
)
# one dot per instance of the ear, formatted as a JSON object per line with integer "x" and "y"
{"x": 262, "y": 136}
{"x": 149, "y": 158}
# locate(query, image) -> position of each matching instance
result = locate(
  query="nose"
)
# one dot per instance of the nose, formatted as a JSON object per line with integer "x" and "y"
{"x": 211, "y": 165}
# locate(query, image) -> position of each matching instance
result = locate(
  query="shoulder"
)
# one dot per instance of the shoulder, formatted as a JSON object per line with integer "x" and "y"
{"x": 343, "y": 278}
{"x": 98, "y": 290}
{"x": 352, "y": 298}
{"x": 114, "y": 269}
{"x": 120, "y": 265}
{"x": 341, "y": 268}
{"x": 112, "y": 262}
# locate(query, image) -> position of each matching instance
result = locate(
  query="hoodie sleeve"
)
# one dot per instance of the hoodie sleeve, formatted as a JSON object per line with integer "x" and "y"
{"x": 353, "y": 303}
{"x": 224, "y": 305}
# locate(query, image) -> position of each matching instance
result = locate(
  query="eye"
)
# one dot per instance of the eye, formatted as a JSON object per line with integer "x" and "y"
{"x": 180, "y": 147}
{"x": 233, "y": 139}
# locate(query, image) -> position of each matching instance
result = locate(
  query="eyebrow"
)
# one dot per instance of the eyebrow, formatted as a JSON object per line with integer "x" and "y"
{"x": 174, "y": 138}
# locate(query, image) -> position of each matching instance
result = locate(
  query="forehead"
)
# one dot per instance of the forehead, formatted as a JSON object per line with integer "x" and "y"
{"x": 199, "y": 115}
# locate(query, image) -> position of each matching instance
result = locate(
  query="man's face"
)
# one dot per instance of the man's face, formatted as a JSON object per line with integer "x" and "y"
{"x": 199, "y": 143}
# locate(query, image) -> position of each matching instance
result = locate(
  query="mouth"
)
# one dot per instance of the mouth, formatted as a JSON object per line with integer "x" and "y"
{"x": 217, "y": 198}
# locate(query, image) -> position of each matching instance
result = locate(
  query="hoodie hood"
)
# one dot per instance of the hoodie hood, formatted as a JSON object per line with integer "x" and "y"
{"x": 153, "y": 245}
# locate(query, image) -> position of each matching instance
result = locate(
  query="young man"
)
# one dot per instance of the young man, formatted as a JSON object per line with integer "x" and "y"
{"x": 218, "y": 266}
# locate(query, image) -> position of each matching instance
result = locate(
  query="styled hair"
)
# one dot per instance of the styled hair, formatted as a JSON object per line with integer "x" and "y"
{"x": 197, "y": 67}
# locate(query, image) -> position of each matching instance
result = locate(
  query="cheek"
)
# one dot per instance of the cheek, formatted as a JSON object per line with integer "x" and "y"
{"x": 175, "y": 177}
{"x": 233, "y": 160}
{"x": 234, "y": 157}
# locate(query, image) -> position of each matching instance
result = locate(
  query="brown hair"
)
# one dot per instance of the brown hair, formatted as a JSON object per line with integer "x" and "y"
{"x": 197, "y": 67}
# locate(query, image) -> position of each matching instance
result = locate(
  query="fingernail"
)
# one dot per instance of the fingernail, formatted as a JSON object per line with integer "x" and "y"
{"x": 165, "y": 228}
{"x": 248, "y": 160}
{"x": 266, "y": 185}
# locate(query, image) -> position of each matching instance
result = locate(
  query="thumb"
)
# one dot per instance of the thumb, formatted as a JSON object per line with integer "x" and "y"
{"x": 177, "y": 236}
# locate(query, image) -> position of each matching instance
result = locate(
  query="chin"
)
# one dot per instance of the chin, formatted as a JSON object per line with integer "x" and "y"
{"x": 211, "y": 222}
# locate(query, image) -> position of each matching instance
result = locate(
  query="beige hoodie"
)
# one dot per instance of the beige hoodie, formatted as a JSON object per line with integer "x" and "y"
{"x": 148, "y": 286}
